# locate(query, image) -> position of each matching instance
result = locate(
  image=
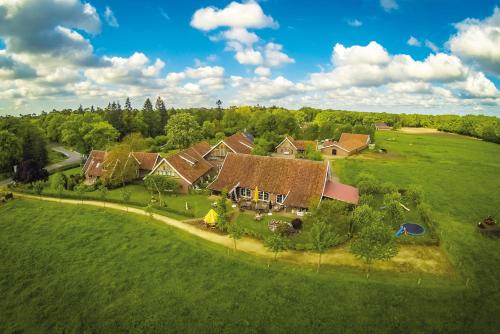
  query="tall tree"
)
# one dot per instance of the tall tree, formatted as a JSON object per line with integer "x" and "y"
{"x": 183, "y": 130}
{"x": 10, "y": 150}
{"x": 162, "y": 111}
{"x": 152, "y": 119}
{"x": 276, "y": 244}
{"x": 113, "y": 114}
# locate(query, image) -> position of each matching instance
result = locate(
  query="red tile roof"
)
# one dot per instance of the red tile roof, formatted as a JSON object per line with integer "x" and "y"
{"x": 189, "y": 164}
{"x": 349, "y": 141}
{"x": 202, "y": 147}
{"x": 147, "y": 161}
{"x": 239, "y": 143}
{"x": 300, "y": 180}
{"x": 341, "y": 192}
{"x": 93, "y": 165}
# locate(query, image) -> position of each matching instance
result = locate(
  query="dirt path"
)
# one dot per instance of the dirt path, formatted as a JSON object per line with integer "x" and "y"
{"x": 419, "y": 130}
{"x": 427, "y": 259}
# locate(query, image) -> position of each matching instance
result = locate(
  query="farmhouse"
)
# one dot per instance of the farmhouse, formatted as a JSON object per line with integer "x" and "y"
{"x": 237, "y": 143}
{"x": 276, "y": 183}
{"x": 292, "y": 147}
{"x": 97, "y": 163}
{"x": 381, "y": 126}
{"x": 187, "y": 167}
{"x": 348, "y": 144}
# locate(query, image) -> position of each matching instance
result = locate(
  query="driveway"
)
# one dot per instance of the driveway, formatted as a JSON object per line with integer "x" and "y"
{"x": 72, "y": 157}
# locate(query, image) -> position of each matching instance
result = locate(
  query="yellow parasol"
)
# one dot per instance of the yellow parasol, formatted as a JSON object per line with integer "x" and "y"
{"x": 211, "y": 217}
{"x": 256, "y": 194}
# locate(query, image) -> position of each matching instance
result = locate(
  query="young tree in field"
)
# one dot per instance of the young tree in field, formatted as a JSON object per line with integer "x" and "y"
{"x": 38, "y": 187}
{"x": 126, "y": 193}
{"x": 135, "y": 142}
{"x": 121, "y": 167}
{"x": 276, "y": 244}
{"x": 103, "y": 193}
{"x": 322, "y": 237}
{"x": 160, "y": 184}
{"x": 374, "y": 242}
{"x": 222, "y": 216}
{"x": 149, "y": 210}
{"x": 59, "y": 190}
{"x": 183, "y": 130}
{"x": 362, "y": 216}
{"x": 58, "y": 179}
{"x": 393, "y": 209}
{"x": 80, "y": 190}
{"x": 236, "y": 232}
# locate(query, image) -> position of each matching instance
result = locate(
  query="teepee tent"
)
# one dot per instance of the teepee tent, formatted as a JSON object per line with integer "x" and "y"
{"x": 211, "y": 217}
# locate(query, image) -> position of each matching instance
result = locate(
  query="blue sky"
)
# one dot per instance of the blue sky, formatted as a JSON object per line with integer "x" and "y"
{"x": 381, "y": 55}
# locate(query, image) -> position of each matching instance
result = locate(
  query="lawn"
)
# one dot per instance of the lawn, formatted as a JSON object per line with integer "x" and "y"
{"x": 69, "y": 268}
{"x": 55, "y": 157}
{"x": 198, "y": 204}
{"x": 461, "y": 179}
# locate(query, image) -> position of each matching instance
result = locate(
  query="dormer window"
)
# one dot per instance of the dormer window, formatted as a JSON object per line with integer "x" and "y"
{"x": 280, "y": 198}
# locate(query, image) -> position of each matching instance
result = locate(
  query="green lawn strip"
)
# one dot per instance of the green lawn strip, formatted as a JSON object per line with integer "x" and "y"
{"x": 55, "y": 157}
{"x": 89, "y": 269}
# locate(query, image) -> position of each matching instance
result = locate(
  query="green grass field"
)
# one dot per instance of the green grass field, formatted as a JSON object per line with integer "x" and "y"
{"x": 461, "y": 179}
{"x": 67, "y": 268}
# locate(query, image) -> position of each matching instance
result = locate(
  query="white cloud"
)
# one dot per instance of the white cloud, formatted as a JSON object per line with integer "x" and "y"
{"x": 373, "y": 53}
{"x": 11, "y": 68}
{"x": 164, "y": 14}
{"x": 259, "y": 89}
{"x": 431, "y": 46}
{"x": 478, "y": 41}
{"x": 235, "y": 15}
{"x": 275, "y": 57}
{"x": 135, "y": 70}
{"x": 52, "y": 29}
{"x": 412, "y": 41}
{"x": 249, "y": 57}
{"x": 110, "y": 18}
{"x": 355, "y": 23}
{"x": 262, "y": 71}
{"x": 241, "y": 35}
{"x": 389, "y": 5}
{"x": 477, "y": 85}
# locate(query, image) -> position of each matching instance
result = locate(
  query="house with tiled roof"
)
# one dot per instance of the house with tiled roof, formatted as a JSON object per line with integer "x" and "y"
{"x": 187, "y": 167}
{"x": 348, "y": 144}
{"x": 97, "y": 162}
{"x": 289, "y": 184}
{"x": 382, "y": 126}
{"x": 291, "y": 147}
{"x": 239, "y": 143}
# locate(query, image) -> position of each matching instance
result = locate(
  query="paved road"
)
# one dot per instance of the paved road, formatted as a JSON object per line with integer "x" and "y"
{"x": 72, "y": 157}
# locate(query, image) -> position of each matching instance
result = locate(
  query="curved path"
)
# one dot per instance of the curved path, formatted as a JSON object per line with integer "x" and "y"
{"x": 72, "y": 157}
{"x": 427, "y": 259}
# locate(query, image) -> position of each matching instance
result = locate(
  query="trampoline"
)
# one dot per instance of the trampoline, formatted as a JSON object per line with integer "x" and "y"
{"x": 410, "y": 229}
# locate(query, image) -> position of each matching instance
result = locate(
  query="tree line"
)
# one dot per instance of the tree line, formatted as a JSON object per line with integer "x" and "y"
{"x": 23, "y": 139}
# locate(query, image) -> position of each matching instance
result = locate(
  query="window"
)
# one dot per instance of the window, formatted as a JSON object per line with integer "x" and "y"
{"x": 166, "y": 172}
{"x": 245, "y": 192}
{"x": 263, "y": 196}
{"x": 280, "y": 198}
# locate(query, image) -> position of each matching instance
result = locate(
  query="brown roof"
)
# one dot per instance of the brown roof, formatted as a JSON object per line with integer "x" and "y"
{"x": 93, "y": 165}
{"x": 301, "y": 144}
{"x": 300, "y": 180}
{"x": 189, "y": 164}
{"x": 341, "y": 192}
{"x": 202, "y": 147}
{"x": 239, "y": 143}
{"x": 350, "y": 141}
{"x": 147, "y": 161}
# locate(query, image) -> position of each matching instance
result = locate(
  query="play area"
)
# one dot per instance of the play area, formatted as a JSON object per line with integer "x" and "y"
{"x": 410, "y": 229}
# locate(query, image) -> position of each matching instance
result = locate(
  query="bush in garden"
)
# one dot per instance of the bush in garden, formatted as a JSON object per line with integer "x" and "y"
{"x": 425, "y": 213}
{"x": 415, "y": 194}
{"x": 367, "y": 199}
{"x": 297, "y": 223}
{"x": 388, "y": 187}
{"x": 393, "y": 210}
{"x": 368, "y": 184}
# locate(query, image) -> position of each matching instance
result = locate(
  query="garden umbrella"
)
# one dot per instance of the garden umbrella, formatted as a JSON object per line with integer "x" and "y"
{"x": 211, "y": 217}
{"x": 256, "y": 194}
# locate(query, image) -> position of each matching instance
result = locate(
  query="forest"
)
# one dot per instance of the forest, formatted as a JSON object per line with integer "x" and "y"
{"x": 23, "y": 139}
